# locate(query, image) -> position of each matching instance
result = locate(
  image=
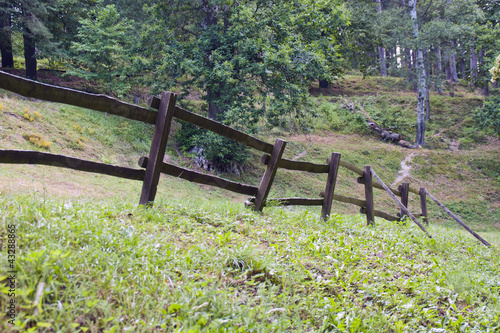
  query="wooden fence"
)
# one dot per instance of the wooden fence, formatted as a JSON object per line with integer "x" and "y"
{"x": 153, "y": 165}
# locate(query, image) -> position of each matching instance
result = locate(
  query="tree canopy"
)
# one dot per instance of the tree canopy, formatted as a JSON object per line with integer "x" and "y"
{"x": 256, "y": 59}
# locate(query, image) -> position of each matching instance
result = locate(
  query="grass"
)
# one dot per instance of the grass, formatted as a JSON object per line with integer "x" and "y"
{"x": 198, "y": 267}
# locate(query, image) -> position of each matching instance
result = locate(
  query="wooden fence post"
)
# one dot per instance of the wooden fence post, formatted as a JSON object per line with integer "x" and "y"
{"x": 423, "y": 204}
{"x": 268, "y": 177}
{"x": 330, "y": 185}
{"x": 370, "y": 211}
{"x": 158, "y": 146}
{"x": 393, "y": 196}
{"x": 403, "y": 188}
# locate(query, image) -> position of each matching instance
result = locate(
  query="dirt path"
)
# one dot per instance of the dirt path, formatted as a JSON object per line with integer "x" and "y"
{"x": 405, "y": 169}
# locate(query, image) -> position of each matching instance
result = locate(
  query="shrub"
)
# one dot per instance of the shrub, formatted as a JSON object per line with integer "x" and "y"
{"x": 489, "y": 114}
{"x": 37, "y": 140}
{"x": 221, "y": 150}
{"x": 217, "y": 149}
{"x": 31, "y": 116}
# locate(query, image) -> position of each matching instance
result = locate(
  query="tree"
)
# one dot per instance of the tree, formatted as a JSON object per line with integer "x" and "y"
{"x": 421, "y": 83}
{"x": 381, "y": 49}
{"x": 252, "y": 58}
{"x": 489, "y": 114}
{"x": 6, "y": 34}
{"x": 101, "y": 49}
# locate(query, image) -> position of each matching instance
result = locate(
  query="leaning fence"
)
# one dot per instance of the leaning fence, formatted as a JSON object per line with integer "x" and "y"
{"x": 153, "y": 165}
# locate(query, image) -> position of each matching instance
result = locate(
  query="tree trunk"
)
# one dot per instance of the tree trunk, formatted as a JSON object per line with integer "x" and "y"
{"x": 388, "y": 58}
{"x": 482, "y": 75}
{"x": 213, "y": 110}
{"x": 211, "y": 19}
{"x": 6, "y": 40}
{"x": 462, "y": 65}
{"x": 447, "y": 69}
{"x": 426, "y": 71}
{"x": 427, "y": 99}
{"x": 29, "y": 55}
{"x": 439, "y": 61}
{"x": 381, "y": 60}
{"x": 380, "y": 49}
{"x": 453, "y": 64}
{"x": 440, "y": 71}
{"x": 486, "y": 88}
{"x": 473, "y": 65}
{"x": 419, "y": 140}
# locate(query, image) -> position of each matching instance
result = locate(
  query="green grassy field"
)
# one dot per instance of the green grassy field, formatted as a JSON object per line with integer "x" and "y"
{"x": 198, "y": 261}
{"x": 193, "y": 266}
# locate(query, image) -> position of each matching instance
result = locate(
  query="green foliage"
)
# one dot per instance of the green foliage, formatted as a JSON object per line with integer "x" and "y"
{"x": 221, "y": 150}
{"x": 337, "y": 117}
{"x": 489, "y": 114}
{"x": 101, "y": 50}
{"x": 252, "y": 61}
{"x": 187, "y": 136}
{"x": 215, "y": 148}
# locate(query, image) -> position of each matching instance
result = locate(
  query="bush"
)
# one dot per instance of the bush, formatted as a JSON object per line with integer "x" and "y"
{"x": 335, "y": 117}
{"x": 217, "y": 149}
{"x": 489, "y": 114}
{"x": 221, "y": 150}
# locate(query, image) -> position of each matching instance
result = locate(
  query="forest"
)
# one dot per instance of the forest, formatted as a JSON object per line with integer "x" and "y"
{"x": 253, "y": 61}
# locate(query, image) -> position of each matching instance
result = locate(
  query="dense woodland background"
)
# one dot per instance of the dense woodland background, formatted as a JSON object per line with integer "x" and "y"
{"x": 255, "y": 60}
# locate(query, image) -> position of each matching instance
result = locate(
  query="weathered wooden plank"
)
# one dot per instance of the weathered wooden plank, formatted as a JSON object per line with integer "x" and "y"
{"x": 330, "y": 186}
{"x": 378, "y": 213}
{"x": 268, "y": 177}
{"x": 295, "y": 202}
{"x": 413, "y": 190}
{"x": 351, "y": 167}
{"x": 466, "y": 227}
{"x": 223, "y": 130}
{"x": 367, "y": 177}
{"x": 354, "y": 201}
{"x": 297, "y": 165}
{"x": 201, "y": 178}
{"x": 423, "y": 205}
{"x": 158, "y": 146}
{"x": 36, "y": 157}
{"x": 98, "y": 102}
{"x": 406, "y": 211}
{"x": 311, "y": 167}
{"x": 217, "y": 127}
{"x": 403, "y": 188}
{"x": 378, "y": 186}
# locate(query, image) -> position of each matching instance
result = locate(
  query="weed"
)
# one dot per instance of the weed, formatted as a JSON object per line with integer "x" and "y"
{"x": 31, "y": 116}
{"x": 37, "y": 140}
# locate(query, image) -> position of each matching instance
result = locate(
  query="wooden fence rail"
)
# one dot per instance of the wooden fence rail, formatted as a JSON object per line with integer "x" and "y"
{"x": 36, "y": 157}
{"x": 153, "y": 165}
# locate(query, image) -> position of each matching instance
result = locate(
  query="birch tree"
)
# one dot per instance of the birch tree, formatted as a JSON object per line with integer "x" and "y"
{"x": 421, "y": 81}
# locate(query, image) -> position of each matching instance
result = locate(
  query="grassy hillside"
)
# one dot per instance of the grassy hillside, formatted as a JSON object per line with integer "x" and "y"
{"x": 200, "y": 261}
{"x": 459, "y": 165}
